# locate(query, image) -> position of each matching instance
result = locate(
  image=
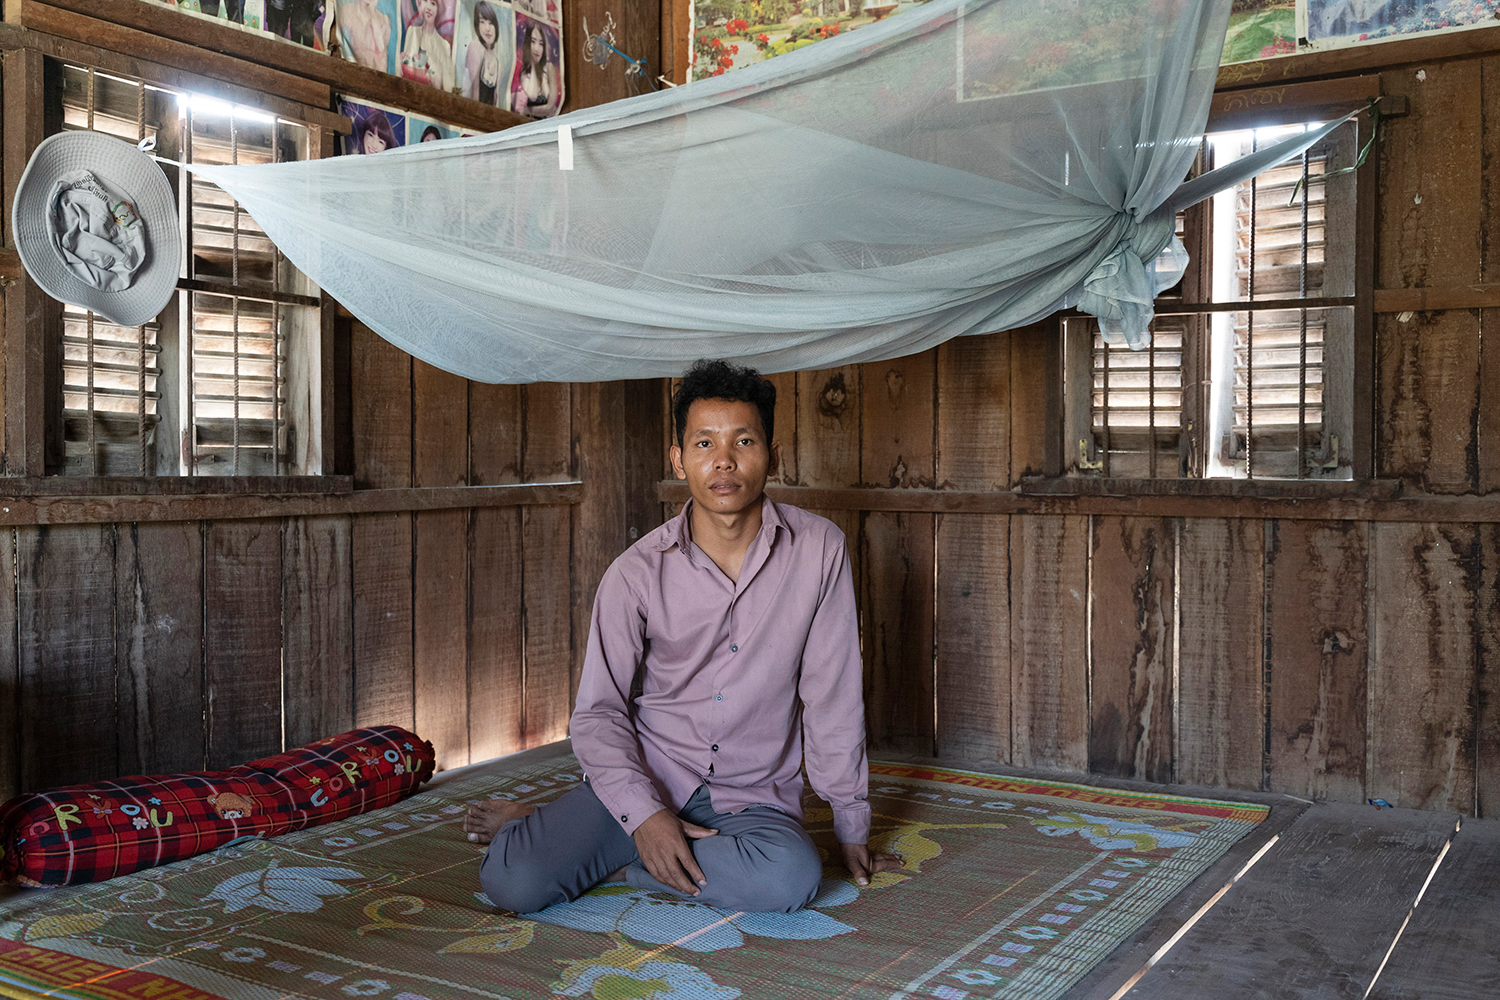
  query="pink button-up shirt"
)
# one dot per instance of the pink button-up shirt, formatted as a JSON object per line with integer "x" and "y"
{"x": 734, "y": 675}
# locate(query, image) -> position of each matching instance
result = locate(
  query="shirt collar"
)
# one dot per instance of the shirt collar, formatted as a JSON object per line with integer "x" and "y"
{"x": 678, "y": 531}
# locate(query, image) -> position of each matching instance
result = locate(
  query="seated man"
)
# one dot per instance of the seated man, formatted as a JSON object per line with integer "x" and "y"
{"x": 737, "y": 617}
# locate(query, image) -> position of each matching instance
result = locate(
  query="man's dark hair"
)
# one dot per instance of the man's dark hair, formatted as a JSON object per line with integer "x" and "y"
{"x": 721, "y": 380}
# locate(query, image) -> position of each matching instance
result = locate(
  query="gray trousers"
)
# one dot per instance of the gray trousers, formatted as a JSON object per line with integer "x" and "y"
{"x": 760, "y": 860}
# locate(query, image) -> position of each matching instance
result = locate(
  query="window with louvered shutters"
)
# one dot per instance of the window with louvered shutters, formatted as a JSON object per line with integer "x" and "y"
{"x": 1250, "y": 370}
{"x": 220, "y": 384}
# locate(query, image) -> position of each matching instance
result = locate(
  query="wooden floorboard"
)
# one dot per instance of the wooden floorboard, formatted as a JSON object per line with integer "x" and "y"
{"x": 1316, "y": 915}
{"x": 1451, "y": 948}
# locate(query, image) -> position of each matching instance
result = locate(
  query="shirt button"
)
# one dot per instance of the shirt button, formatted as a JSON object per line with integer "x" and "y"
{"x": 718, "y": 697}
{"x": 715, "y": 748}
{"x": 734, "y": 649}
{"x": 624, "y": 819}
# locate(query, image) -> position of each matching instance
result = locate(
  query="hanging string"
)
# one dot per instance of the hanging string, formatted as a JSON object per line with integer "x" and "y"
{"x": 275, "y": 327}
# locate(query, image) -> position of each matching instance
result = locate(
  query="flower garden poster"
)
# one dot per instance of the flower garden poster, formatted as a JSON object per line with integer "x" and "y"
{"x": 732, "y": 34}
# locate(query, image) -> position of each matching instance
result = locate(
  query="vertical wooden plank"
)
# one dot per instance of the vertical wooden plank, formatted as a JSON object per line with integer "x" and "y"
{"x": 547, "y": 455}
{"x": 1133, "y": 578}
{"x": 1048, "y": 635}
{"x": 1487, "y": 432}
{"x": 972, "y": 552}
{"x": 973, "y": 682}
{"x": 546, "y": 539}
{"x": 896, "y": 450}
{"x": 381, "y": 411}
{"x": 440, "y": 569}
{"x": 381, "y": 544}
{"x": 28, "y": 310}
{"x": 1487, "y": 634}
{"x": 10, "y": 672}
{"x": 641, "y": 455}
{"x": 242, "y": 640}
{"x": 1425, "y": 580}
{"x": 317, "y": 616}
{"x": 495, "y": 615}
{"x": 1031, "y": 359}
{"x": 497, "y": 435}
{"x": 599, "y": 410}
{"x": 1221, "y": 698}
{"x": 828, "y": 417}
{"x": 896, "y": 615}
{"x": 896, "y": 426}
{"x": 785, "y": 430}
{"x": 1317, "y": 656}
{"x": 1430, "y": 184}
{"x": 66, "y": 654}
{"x": 545, "y": 533}
{"x": 384, "y": 687}
{"x": 159, "y": 647}
{"x": 1430, "y": 400}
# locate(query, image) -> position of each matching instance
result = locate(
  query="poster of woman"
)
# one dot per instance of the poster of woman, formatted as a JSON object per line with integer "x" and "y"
{"x": 534, "y": 90}
{"x": 427, "y": 42}
{"x": 375, "y": 129}
{"x": 486, "y": 36}
{"x": 367, "y": 32}
{"x": 426, "y": 130}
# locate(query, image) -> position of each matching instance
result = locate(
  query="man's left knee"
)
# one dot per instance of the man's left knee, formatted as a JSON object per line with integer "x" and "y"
{"x": 791, "y": 877}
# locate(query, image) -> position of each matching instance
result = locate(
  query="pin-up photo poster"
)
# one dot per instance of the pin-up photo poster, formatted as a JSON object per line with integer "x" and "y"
{"x": 536, "y": 86}
{"x": 367, "y": 32}
{"x": 427, "y": 130}
{"x": 376, "y": 129}
{"x": 486, "y": 40}
{"x": 427, "y": 42}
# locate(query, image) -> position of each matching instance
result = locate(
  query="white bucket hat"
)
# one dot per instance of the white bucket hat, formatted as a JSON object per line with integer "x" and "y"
{"x": 95, "y": 225}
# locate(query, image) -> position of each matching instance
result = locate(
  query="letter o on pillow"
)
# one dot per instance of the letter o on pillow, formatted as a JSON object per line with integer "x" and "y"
{"x": 86, "y": 833}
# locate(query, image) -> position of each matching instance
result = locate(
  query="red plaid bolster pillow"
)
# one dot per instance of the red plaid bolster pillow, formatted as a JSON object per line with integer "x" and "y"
{"x": 86, "y": 833}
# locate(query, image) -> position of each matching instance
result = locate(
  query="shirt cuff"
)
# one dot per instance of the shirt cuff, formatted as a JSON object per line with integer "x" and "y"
{"x": 632, "y": 806}
{"x": 851, "y": 824}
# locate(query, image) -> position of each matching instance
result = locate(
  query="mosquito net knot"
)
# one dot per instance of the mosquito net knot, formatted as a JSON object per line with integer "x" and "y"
{"x": 1121, "y": 288}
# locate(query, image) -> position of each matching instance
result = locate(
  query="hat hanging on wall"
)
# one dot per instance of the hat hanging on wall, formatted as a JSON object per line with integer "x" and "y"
{"x": 95, "y": 225}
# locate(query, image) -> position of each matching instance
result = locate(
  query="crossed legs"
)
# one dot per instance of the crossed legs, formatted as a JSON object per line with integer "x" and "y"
{"x": 760, "y": 860}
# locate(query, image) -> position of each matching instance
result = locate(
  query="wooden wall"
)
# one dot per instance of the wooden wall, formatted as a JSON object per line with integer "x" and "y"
{"x": 171, "y": 631}
{"x": 1345, "y": 658}
{"x": 161, "y": 646}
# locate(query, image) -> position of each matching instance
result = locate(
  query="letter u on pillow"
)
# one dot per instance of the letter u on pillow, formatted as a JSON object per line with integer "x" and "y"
{"x": 86, "y": 833}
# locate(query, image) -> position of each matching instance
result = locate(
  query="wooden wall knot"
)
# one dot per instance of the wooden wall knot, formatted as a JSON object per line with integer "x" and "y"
{"x": 1337, "y": 641}
{"x": 833, "y": 399}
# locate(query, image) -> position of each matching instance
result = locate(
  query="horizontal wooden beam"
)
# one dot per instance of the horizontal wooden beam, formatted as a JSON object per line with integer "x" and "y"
{"x": 1400, "y": 300}
{"x": 111, "y": 508}
{"x": 1291, "y": 103}
{"x": 139, "y": 40}
{"x": 341, "y": 75}
{"x": 1317, "y": 503}
{"x": 1366, "y": 58}
{"x": 14, "y": 36}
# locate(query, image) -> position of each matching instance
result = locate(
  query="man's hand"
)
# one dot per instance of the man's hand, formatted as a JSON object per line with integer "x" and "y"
{"x": 862, "y": 862}
{"x": 662, "y": 843}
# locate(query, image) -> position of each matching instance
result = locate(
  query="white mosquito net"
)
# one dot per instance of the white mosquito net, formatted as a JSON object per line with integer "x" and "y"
{"x": 965, "y": 167}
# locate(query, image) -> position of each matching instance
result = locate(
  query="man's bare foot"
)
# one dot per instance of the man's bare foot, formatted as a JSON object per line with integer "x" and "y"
{"x": 485, "y": 820}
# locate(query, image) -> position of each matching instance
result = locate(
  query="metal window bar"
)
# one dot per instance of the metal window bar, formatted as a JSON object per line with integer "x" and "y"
{"x": 1278, "y": 421}
{"x": 1137, "y": 399}
{"x": 1250, "y": 330}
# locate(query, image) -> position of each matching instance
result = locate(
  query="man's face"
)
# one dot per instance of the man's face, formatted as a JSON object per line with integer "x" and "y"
{"x": 724, "y": 456}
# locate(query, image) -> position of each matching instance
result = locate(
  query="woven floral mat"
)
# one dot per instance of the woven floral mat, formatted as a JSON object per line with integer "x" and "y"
{"x": 1012, "y": 888}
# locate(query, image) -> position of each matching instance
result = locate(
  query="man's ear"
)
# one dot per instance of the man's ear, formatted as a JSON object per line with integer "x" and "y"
{"x": 775, "y": 465}
{"x": 675, "y": 453}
